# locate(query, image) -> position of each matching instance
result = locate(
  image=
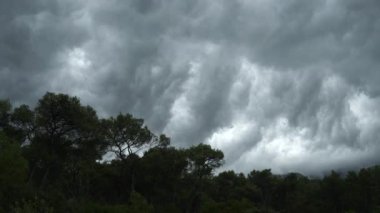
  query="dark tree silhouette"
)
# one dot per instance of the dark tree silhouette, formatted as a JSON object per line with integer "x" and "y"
{"x": 52, "y": 159}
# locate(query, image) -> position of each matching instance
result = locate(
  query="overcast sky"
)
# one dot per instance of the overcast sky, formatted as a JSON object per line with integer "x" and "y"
{"x": 289, "y": 85}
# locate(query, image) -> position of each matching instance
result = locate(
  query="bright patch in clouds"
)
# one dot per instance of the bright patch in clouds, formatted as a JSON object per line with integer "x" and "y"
{"x": 290, "y": 85}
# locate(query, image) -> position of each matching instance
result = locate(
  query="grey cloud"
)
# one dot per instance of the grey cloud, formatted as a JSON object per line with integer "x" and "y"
{"x": 273, "y": 84}
{"x": 31, "y": 36}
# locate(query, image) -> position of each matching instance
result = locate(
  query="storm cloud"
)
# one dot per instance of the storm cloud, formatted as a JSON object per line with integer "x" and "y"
{"x": 288, "y": 85}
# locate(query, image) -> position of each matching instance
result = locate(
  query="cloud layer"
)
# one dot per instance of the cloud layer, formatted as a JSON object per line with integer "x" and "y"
{"x": 292, "y": 85}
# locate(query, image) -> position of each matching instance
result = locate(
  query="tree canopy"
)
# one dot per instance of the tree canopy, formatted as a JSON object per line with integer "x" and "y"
{"x": 52, "y": 160}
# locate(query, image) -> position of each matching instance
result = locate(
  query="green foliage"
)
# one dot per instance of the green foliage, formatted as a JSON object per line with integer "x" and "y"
{"x": 23, "y": 121}
{"x": 137, "y": 204}
{"x": 5, "y": 107}
{"x": 98, "y": 208}
{"x": 50, "y": 161}
{"x": 203, "y": 160}
{"x": 35, "y": 205}
{"x": 13, "y": 171}
{"x": 236, "y": 206}
{"x": 126, "y": 134}
{"x": 13, "y": 166}
{"x": 156, "y": 162}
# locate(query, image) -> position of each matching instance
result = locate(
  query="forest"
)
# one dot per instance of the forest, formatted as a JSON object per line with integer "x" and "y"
{"x": 59, "y": 156}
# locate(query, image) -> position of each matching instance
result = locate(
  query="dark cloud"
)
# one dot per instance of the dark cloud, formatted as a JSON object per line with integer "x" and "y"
{"x": 292, "y": 85}
{"x": 31, "y": 36}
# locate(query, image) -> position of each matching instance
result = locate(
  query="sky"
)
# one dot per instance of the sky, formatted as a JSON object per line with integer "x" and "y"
{"x": 289, "y": 85}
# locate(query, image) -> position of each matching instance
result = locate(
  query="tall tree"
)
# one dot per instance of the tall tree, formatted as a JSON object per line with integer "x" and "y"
{"x": 332, "y": 190}
{"x": 162, "y": 190}
{"x": 65, "y": 134}
{"x": 5, "y": 108}
{"x": 23, "y": 120}
{"x": 202, "y": 160}
{"x": 266, "y": 183}
{"x": 13, "y": 170}
{"x": 126, "y": 134}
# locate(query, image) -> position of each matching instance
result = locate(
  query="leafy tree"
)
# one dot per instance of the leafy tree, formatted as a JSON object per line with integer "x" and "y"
{"x": 237, "y": 206}
{"x": 5, "y": 108}
{"x": 23, "y": 121}
{"x": 65, "y": 136}
{"x": 126, "y": 134}
{"x": 13, "y": 166}
{"x": 35, "y": 205}
{"x": 162, "y": 190}
{"x": 266, "y": 182}
{"x": 367, "y": 186}
{"x": 332, "y": 188}
{"x": 354, "y": 199}
{"x": 202, "y": 160}
{"x": 13, "y": 170}
{"x": 137, "y": 204}
{"x": 294, "y": 193}
{"x": 231, "y": 186}
{"x": 50, "y": 161}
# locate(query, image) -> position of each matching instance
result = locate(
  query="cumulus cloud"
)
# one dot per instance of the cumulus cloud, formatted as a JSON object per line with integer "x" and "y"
{"x": 292, "y": 86}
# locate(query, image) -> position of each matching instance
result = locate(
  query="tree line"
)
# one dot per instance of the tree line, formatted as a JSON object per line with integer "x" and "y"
{"x": 53, "y": 159}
